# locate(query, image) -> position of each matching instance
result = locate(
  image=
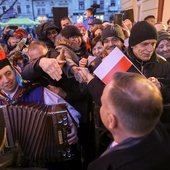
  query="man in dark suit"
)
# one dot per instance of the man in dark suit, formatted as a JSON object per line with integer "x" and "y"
{"x": 131, "y": 109}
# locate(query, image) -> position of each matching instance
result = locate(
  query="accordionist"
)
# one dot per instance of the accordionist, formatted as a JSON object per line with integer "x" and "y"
{"x": 12, "y": 92}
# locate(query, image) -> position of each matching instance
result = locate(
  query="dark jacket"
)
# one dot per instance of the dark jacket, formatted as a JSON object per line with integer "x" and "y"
{"x": 156, "y": 67}
{"x": 76, "y": 96}
{"x": 151, "y": 153}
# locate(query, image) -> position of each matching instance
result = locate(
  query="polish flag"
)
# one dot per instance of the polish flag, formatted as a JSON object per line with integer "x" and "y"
{"x": 116, "y": 61}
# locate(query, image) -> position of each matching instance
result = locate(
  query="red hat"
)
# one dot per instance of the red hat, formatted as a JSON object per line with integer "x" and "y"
{"x": 3, "y": 60}
{"x": 20, "y": 33}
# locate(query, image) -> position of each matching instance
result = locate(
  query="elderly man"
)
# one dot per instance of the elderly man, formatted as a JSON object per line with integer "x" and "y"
{"x": 141, "y": 51}
{"x": 131, "y": 108}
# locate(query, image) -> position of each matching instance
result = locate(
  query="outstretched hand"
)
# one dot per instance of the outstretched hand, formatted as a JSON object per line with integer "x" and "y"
{"x": 61, "y": 58}
{"x": 51, "y": 67}
{"x": 85, "y": 75}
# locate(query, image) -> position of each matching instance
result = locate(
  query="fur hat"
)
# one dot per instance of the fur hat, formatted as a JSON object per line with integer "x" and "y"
{"x": 113, "y": 30}
{"x": 3, "y": 60}
{"x": 70, "y": 30}
{"x": 142, "y": 31}
{"x": 163, "y": 35}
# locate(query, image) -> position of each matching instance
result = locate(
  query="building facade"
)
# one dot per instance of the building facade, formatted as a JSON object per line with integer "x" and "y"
{"x": 142, "y": 8}
{"x": 42, "y": 9}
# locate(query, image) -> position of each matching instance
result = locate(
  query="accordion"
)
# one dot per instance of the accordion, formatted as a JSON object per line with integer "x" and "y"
{"x": 40, "y": 130}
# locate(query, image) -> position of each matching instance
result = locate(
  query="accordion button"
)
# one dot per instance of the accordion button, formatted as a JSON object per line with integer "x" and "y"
{"x": 64, "y": 153}
{"x": 68, "y": 150}
{"x": 60, "y": 120}
{"x": 69, "y": 155}
{"x": 64, "y": 123}
{"x": 64, "y": 117}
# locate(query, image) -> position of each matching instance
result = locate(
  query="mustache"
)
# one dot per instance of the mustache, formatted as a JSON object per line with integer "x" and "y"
{"x": 111, "y": 47}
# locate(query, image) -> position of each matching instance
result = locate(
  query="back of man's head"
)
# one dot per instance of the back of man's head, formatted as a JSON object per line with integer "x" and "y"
{"x": 137, "y": 102}
{"x": 149, "y": 16}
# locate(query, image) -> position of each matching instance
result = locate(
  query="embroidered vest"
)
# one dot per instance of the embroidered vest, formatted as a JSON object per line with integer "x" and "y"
{"x": 36, "y": 95}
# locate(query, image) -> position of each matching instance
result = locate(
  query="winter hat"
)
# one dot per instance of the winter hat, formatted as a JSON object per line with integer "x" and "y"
{"x": 79, "y": 25}
{"x": 113, "y": 30}
{"x": 20, "y": 33}
{"x": 70, "y": 30}
{"x": 42, "y": 29}
{"x": 142, "y": 31}
{"x": 3, "y": 60}
{"x": 163, "y": 35}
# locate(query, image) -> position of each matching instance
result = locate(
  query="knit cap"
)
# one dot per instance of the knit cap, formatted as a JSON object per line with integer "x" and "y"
{"x": 142, "y": 31}
{"x": 163, "y": 35}
{"x": 70, "y": 30}
{"x": 113, "y": 30}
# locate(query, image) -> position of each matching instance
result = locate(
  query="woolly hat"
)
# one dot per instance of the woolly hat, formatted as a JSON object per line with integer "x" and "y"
{"x": 70, "y": 30}
{"x": 142, "y": 31}
{"x": 113, "y": 30}
{"x": 3, "y": 60}
{"x": 163, "y": 35}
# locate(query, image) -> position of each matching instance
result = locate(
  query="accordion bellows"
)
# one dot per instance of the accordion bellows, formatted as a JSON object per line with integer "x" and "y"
{"x": 40, "y": 130}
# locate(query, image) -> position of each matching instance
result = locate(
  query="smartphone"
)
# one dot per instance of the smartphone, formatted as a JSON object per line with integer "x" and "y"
{"x": 14, "y": 27}
{"x": 118, "y": 18}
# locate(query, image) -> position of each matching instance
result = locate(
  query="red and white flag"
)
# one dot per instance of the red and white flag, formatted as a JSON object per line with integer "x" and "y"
{"x": 116, "y": 61}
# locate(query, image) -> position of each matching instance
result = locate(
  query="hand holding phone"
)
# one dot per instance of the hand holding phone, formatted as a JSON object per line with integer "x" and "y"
{"x": 14, "y": 27}
{"x": 118, "y": 18}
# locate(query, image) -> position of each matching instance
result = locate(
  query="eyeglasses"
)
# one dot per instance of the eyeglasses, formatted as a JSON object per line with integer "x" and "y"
{"x": 161, "y": 47}
{"x": 54, "y": 32}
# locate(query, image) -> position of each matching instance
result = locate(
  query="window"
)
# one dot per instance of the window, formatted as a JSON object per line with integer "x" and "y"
{"x": 113, "y": 3}
{"x": 28, "y": 8}
{"x": 94, "y": 2}
{"x": 4, "y": 8}
{"x": 19, "y": 9}
{"x": 38, "y": 11}
{"x": 43, "y": 11}
{"x": 102, "y": 4}
{"x": 81, "y": 5}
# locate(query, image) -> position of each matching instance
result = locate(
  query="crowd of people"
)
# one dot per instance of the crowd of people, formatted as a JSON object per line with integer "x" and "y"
{"x": 112, "y": 126}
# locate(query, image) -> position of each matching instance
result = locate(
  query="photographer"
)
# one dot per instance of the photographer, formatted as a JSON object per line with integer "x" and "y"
{"x": 90, "y": 17}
